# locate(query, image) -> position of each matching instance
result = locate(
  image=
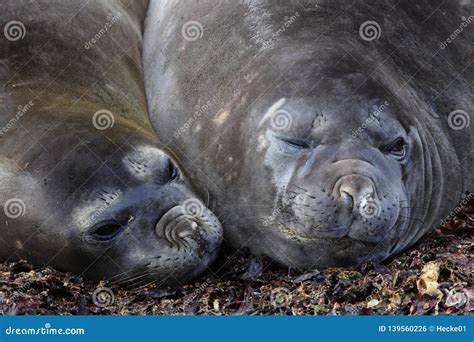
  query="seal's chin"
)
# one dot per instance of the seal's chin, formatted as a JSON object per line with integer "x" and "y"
{"x": 306, "y": 244}
{"x": 318, "y": 233}
{"x": 363, "y": 226}
{"x": 299, "y": 251}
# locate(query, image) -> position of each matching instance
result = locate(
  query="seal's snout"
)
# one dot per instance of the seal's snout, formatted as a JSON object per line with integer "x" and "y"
{"x": 181, "y": 228}
{"x": 176, "y": 227}
{"x": 354, "y": 190}
{"x": 368, "y": 217}
{"x": 359, "y": 206}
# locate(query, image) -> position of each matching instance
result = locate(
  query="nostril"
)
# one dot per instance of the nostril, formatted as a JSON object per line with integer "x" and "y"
{"x": 175, "y": 226}
{"x": 347, "y": 198}
{"x": 354, "y": 188}
{"x": 190, "y": 229}
{"x": 186, "y": 228}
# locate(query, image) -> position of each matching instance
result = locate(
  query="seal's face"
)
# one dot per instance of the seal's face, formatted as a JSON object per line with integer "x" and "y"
{"x": 114, "y": 205}
{"x": 338, "y": 169}
{"x": 144, "y": 222}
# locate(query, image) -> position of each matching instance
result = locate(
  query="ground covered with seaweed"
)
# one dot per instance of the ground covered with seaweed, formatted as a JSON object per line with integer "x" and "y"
{"x": 433, "y": 277}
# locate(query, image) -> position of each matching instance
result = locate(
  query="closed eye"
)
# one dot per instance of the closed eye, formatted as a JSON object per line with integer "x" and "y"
{"x": 171, "y": 172}
{"x": 396, "y": 148}
{"x": 296, "y": 143}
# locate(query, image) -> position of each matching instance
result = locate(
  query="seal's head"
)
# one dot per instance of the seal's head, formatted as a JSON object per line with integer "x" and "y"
{"x": 345, "y": 168}
{"x": 110, "y": 203}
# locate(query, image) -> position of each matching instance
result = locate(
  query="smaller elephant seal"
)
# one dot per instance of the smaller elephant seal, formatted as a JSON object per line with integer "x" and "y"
{"x": 86, "y": 186}
{"x": 329, "y": 132}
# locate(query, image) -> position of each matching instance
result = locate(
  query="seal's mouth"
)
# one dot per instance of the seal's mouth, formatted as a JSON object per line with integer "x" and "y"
{"x": 355, "y": 229}
{"x": 341, "y": 239}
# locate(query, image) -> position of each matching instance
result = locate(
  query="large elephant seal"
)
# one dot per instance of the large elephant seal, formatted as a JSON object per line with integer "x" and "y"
{"x": 327, "y": 132}
{"x": 85, "y": 185}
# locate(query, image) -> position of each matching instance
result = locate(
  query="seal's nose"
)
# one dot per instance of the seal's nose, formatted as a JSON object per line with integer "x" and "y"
{"x": 354, "y": 189}
{"x": 175, "y": 226}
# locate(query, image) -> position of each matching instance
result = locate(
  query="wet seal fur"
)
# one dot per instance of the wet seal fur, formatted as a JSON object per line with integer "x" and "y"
{"x": 85, "y": 185}
{"x": 328, "y": 136}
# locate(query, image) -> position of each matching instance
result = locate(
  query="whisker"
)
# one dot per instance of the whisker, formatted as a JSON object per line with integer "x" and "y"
{"x": 121, "y": 276}
{"x": 136, "y": 286}
{"x": 131, "y": 279}
{"x": 144, "y": 286}
{"x": 413, "y": 218}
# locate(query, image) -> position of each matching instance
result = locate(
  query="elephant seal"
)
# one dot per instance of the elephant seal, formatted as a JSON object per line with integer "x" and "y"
{"x": 328, "y": 133}
{"x": 86, "y": 186}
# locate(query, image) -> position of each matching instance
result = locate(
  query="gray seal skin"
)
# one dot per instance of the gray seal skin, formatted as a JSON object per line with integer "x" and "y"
{"x": 327, "y": 133}
{"x": 86, "y": 186}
